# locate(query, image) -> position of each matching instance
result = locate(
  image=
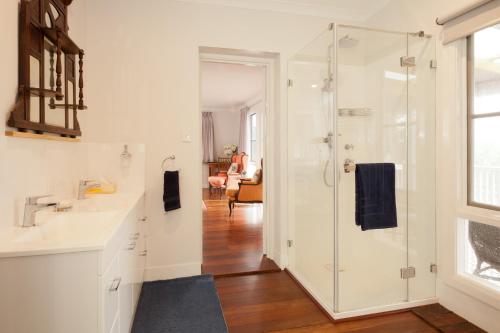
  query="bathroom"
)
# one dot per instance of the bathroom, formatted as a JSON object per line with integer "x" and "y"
{"x": 339, "y": 96}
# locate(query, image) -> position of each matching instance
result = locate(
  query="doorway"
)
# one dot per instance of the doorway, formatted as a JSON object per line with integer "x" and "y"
{"x": 234, "y": 106}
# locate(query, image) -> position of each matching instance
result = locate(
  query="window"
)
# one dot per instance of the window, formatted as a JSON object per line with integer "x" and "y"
{"x": 484, "y": 118}
{"x": 480, "y": 252}
{"x": 253, "y": 138}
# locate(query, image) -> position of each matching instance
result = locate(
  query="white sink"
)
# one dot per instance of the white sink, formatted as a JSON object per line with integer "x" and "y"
{"x": 88, "y": 226}
{"x": 67, "y": 227}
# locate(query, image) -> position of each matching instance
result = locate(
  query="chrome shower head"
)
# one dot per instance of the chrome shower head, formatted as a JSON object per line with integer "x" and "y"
{"x": 348, "y": 42}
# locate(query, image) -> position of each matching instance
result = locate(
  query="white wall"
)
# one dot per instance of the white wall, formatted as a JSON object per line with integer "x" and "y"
{"x": 29, "y": 167}
{"x": 408, "y": 15}
{"x": 150, "y": 93}
{"x": 227, "y": 130}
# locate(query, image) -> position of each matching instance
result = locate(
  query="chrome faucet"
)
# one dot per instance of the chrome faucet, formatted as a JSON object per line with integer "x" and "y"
{"x": 85, "y": 185}
{"x": 32, "y": 206}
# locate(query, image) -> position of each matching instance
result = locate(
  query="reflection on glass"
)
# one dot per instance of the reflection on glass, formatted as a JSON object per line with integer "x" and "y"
{"x": 486, "y": 160}
{"x": 487, "y": 71}
{"x": 311, "y": 168}
{"x": 71, "y": 106}
{"x": 370, "y": 77}
{"x": 34, "y": 72}
{"x": 55, "y": 12}
{"x": 34, "y": 83}
{"x": 48, "y": 20}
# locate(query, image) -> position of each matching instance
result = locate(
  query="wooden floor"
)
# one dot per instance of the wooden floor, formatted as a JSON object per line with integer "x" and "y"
{"x": 275, "y": 303}
{"x": 233, "y": 245}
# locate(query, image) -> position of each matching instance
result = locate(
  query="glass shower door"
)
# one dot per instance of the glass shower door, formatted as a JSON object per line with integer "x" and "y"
{"x": 371, "y": 124}
{"x": 310, "y": 168}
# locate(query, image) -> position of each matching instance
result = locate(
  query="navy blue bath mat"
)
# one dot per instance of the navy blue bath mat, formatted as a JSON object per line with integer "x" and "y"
{"x": 186, "y": 305}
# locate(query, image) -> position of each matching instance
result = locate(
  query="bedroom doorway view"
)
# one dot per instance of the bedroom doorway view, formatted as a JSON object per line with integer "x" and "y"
{"x": 233, "y": 106}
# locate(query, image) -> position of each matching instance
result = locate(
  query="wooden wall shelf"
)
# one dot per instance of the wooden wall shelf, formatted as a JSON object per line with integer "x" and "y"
{"x": 38, "y": 92}
{"x": 28, "y": 135}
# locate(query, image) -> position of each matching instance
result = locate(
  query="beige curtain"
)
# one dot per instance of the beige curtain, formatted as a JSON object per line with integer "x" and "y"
{"x": 243, "y": 144}
{"x": 207, "y": 133}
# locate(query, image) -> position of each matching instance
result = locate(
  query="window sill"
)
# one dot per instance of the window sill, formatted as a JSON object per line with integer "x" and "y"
{"x": 482, "y": 215}
{"x": 475, "y": 289}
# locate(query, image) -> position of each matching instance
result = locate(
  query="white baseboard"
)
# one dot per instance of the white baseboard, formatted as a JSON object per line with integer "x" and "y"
{"x": 171, "y": 272}
{"x": 384, "y": 308}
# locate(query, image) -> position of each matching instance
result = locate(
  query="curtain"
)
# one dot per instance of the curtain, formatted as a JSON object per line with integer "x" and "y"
{"x": 470, "y": 19}
{"x": 243, "y": 144}
{"x": 207, "y": 133}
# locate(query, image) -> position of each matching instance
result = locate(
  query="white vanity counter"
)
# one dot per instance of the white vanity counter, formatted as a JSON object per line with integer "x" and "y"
{"x": 79, "y": 271}
{"x": 89, "y": 226}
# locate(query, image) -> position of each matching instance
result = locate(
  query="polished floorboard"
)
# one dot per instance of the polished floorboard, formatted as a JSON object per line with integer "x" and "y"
{"x": 233, "y": 245}
{"x": 275, "y": 303}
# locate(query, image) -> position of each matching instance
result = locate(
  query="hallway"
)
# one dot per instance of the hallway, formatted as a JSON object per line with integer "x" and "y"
{"x": 233, "y": 246}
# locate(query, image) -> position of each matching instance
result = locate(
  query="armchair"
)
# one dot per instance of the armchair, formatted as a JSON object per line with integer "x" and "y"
{"x": 245, "y": 191}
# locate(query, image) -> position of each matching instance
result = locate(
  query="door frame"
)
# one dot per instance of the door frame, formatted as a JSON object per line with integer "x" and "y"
{"x": 269, "y": 61}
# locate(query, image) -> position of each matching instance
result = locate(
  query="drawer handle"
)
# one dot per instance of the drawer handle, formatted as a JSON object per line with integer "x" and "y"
{"x": 144, "y": 253}
{"x": 131, "y": 246}
{"x": 143, "y": 219}
{"x": 115, "y": 284}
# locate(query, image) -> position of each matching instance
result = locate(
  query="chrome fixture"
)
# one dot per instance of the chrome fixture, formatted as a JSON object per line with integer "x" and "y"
{"x": 354, "y": 112}
{"x": 85, "y": 185}
{"x": 349, "y": 146}
{"x": 329, "y": 139}
{"x": 32, "y": 206}
{"x": 125, "y": 155}
{"x": 348, "y": 42}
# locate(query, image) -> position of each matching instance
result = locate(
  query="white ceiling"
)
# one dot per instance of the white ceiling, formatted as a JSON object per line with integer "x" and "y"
{"x": 225, "y": 86}
{"x": 349, "y": 10}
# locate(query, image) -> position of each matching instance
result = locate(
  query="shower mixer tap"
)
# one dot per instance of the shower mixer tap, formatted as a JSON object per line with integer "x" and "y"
{"x": 329, "y": 139}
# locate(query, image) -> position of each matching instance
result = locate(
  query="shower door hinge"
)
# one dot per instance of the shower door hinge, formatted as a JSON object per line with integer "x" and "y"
{"x": 434, "y": 63}
{"x": 289, "y": 243}
{"x": 408, "y": 272}
{"x": 434, "y": 268}
{"x": 290, "y": 83}
{"x": 408, "y": 61}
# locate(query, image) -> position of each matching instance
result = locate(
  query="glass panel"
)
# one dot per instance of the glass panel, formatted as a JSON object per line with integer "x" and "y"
{"x": 55, "y": 12}
{"x": 310, "y": 170}
{"x": 421, "y": 167}
{"x": 486, "y": 160}
{"x": 371, "y": 128}
{"x": 71, "y": 102}
{"x": 34, "y": 83}
{"x": 48, "y": 20}
{"x": 487, "y": 71}
{"x": 479, "y": 253}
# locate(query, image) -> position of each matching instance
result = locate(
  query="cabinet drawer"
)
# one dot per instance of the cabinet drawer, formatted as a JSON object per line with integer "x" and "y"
{"x": 110, "y": 287}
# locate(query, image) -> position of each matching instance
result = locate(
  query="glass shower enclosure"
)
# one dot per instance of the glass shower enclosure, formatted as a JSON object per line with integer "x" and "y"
{"x": 360, "y": 95}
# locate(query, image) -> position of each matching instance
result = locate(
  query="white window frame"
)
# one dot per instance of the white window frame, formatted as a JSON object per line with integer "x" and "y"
{"x": 453, "y": 273}
{"x": 250, "y": 137}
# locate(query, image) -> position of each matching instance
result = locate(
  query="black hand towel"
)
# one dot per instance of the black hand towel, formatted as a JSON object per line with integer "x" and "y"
{"x": 171, "y": 195}
{"x": 376, "y": 196}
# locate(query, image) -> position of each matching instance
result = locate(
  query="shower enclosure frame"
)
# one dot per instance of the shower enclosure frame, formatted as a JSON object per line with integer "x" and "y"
{"x": 333, "y": 65}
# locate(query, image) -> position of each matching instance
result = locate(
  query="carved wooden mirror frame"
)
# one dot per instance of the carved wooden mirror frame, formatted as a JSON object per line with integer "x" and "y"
{"x": 43, "y": 89}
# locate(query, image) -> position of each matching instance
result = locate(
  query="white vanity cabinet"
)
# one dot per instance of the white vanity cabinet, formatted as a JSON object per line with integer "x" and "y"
{"x": 82, "y": 291}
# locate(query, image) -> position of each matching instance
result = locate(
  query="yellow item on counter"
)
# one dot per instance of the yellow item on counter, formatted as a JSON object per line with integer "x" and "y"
{"x": 104, "y": 188}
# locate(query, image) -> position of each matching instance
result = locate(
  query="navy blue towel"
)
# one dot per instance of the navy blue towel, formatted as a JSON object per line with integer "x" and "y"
{"x": 376, "y": 196}
{"x": 171, "y": 194}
